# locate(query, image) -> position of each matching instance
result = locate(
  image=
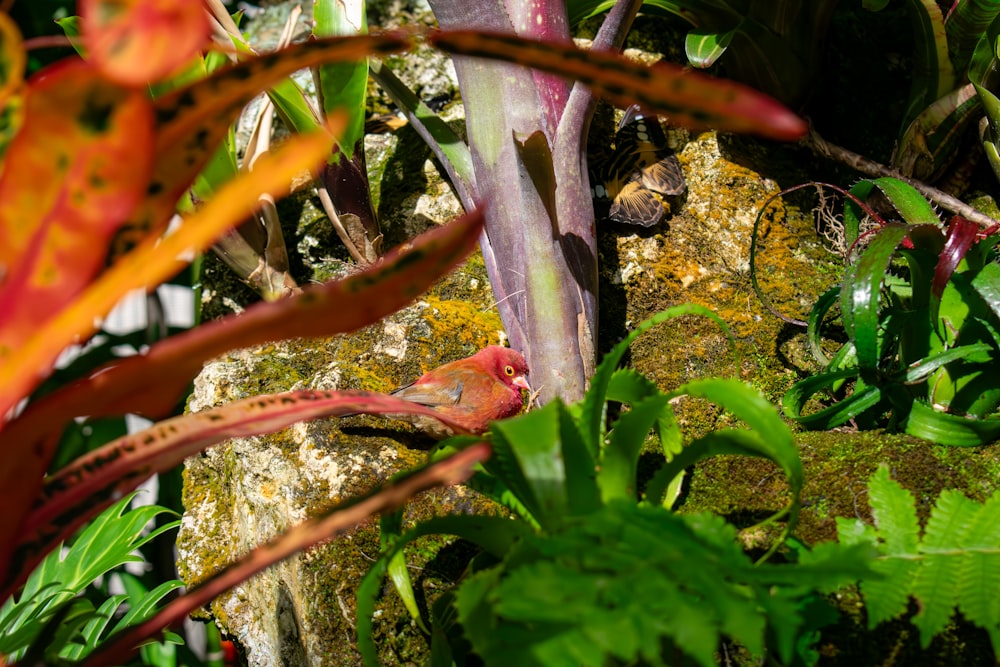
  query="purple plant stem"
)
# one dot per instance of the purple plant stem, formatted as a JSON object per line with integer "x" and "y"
{"x": 527, "y": 134}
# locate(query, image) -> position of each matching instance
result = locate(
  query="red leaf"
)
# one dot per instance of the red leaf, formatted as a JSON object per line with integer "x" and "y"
{"x": 97, "y": 479}
{"x": 961, "y": 235}
{"x": 152, "y": 382}
{"x": 73, "y": 174}
{"x": 688, "y": 98}
{"x": 135, "y": 42}
{"x": 452, "y": 470}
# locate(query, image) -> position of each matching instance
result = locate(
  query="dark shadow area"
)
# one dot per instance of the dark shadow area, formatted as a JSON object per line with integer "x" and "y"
{"x": 402, "y": 179}
{"x": 411, "y": 439}
{"x": 612, "y": 314}
{"x": 290, "y": 648}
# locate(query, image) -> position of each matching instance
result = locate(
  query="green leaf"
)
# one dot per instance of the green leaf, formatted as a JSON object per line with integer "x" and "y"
{"x": 390, "y": 529}
{"x": 541, "y": 457}
{"x": 450, "y": 150}
{"x": 853, "y": 213}
{"x": 861, "y": 293}
{"x": 948, "y": 429}
{"x": 703, "y": 48}
{"x": 107, "y": 543}
{"x": 343, "y": 85}
{"x": 620, "y": 458}
{"x": 912, "y": 206}
{"x": 635, "y": 584}
{"x": 593, "y": 406}
{"x": 933, "y": 72}
{"x": 495, "y": 535}
{"x": 967, "y": 23}
{"x": 816, "y": 317}
{"x": 860, "y": 401}
{"x": 896, "y": 523}
{"x": 954, "y": 564}
{"x": 937, "y": 578}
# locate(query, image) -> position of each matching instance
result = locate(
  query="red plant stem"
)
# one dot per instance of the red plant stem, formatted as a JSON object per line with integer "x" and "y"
{"x": 47, "y": 42}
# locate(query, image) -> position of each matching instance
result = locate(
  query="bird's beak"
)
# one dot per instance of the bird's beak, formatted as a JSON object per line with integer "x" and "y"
{"x": 519, "y": 381}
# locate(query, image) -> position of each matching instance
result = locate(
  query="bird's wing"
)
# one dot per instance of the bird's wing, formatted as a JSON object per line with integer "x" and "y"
{"x": 432, "y": 393}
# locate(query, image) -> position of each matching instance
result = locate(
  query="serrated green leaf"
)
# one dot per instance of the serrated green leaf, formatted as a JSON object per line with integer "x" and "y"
{"x": 894, "y": 514}
{"x": 912, "y": 206}
{"x": 957, "y": 563}
{"x": 936, "y": 580}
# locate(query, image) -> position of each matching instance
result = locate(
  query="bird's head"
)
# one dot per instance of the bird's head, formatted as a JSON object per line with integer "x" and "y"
{"x": 508, "y": 365}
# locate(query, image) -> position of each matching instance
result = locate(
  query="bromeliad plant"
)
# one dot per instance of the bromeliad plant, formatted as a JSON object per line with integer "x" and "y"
{"x": 92, "y": 173}
{"x": 596, "y": 568}
{"x": 921, "y": 311}
{"x": 527, "y": 156}
{"x": 92, "y": 170}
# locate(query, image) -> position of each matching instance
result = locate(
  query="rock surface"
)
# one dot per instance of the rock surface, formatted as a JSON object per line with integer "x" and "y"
{"x": 240, "y": 494}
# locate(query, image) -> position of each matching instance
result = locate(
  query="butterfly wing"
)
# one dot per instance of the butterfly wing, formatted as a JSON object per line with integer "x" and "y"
{"x": 664, "y": 176}
{"x": 636, "y": 205}
{"x": 640, "y": 167}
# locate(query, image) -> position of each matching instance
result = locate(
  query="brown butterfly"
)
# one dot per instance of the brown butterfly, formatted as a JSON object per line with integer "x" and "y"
{"x": 639, "y": 170}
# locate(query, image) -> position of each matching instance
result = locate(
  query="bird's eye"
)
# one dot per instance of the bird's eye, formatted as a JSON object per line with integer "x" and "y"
{"x": 509, "y": 370}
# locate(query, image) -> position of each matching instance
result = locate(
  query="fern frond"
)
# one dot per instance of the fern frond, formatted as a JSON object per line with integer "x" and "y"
{"x": 979, "y": 577}
{"x": 955, "y": 564}
{"x": 938, "y": 577}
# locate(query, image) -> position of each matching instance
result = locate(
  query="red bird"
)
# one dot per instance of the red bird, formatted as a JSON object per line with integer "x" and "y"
{"x": 471, "y": 392}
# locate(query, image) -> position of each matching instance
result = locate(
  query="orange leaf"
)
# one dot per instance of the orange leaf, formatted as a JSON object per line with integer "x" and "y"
{"x": 12, "y": 58}
{"x": 135, "y": 42}
{"x": 154, "y": 262}
{"x": 74, "y": 172}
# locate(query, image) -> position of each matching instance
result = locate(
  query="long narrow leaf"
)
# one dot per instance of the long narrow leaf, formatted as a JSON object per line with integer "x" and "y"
{"x": 91, "y": 482}
{"x": 392, "y": 496}
{"x": 794, "y": 400}
{"x": 323, "y": 310}
{"x": 343, "y": 85}
{"x": 689, "y": 98}
{"x": 620, "y": 458}
{"x": 593, "y": 409}
{"x": 861, "y": 294}
{"x": 768, "y": 437}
